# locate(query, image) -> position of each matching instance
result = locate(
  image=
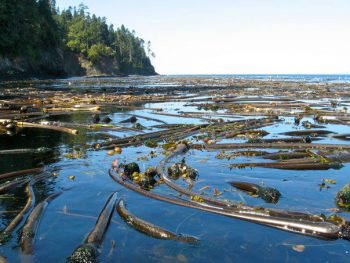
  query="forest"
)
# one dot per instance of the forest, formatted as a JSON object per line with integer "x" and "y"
{"x": 32, "y": 29}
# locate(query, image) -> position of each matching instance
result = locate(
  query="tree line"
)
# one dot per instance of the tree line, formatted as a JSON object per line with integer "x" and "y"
{"x": 28, "y": 27}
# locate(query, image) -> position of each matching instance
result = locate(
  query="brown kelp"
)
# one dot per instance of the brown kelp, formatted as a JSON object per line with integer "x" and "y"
{"x": 28, "y": 206}
{"x": 148, "y": 228}
{"x": 319, "y": 163}
{"x": 87, "y": 252}
{"x": 21, "y": 173}
{"x": 288, "y": 221}
{"x": 29, "y": 229}
{"x": 268, "y": 194}
{"x": 12, "y": 184}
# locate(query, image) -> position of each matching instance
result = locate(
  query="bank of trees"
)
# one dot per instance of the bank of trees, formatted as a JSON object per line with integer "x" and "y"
{"x": 31, "y": 26}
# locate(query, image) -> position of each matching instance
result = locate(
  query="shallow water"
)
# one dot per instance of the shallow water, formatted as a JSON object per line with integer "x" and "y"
{"x": 72, "y": 215}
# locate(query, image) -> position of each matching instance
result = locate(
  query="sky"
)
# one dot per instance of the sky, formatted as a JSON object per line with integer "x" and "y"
{"x": 236, "y": 36}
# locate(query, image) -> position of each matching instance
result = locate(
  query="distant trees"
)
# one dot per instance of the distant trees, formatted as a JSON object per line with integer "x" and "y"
{"x": 31, "y": 26}
{"x": 93, "y": 37}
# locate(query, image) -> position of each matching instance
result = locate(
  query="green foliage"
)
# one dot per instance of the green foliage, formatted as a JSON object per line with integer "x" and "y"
{"x": 98, "y": 51}
{"x": 32, "y": 26}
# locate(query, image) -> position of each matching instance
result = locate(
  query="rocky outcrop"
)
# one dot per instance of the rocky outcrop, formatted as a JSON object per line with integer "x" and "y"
{"x": 56, "y": 63}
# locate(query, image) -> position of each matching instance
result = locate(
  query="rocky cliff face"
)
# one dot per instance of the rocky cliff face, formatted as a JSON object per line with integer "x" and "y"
{"x": 56, "y": 63}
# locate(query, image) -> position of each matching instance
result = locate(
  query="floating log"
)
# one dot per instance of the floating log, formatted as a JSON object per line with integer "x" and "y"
{"x": 28, "y": 206}
{"x": 307, "y": 132}
{"x": 48, "y": 127}
{"x": 162, "y": 171}
{"x": 25, "y": 151}
{"x": 343, "y": 137}
{"x": 274, "y": 146}
{"x": 260, "y": 133}
{"x": 287, "y": 155}
{"x": 13, "y": 184}
{"x": 88, "y": 251}
{"x": 149, "y": 119}
{"x": 21, "y": 173}
{"x": 157, "y": 136}
{"x": 296, "y": 164}
{"x": 148, "y": 228}
{"x": 268, "y": 194}
{"x": 296, "y": 223}
{"x": 30, "y": 227}
{"x": 284, "y": 140}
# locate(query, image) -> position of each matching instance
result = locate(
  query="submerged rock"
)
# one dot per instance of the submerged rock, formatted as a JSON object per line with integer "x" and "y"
{"x": 132, "y": 119}
{"x": 95, "y": 118}
{"x": 106, "y": 119}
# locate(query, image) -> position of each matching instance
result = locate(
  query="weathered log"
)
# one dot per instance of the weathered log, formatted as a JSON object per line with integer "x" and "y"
{"x": 30, "y": 227}
{"x": 25, "y": 151}
{"x": 274, "y": 146}
{"x": 307, "y": 132}
{"x": 48, "y": 127}
{"x": 28, "y": 206}
{"x": 268, "y": 194}
{"x": 88, "y": 251}
{"x": 287, "y": 155}
{"x": 259, "y": 133}
{"x": 148, "y": 228}
{"x": 21, "y": 173}
{"x": 295, "y": 164}
{"x": 13, "y": 184}
{"x": 297, "y": 222}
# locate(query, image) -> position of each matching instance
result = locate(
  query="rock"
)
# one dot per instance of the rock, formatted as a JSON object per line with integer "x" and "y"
{"x": 132, "y": 119}
{"x": 23, "y": 109}
{"x": 95, "y": 118}
{"x": 106, "y": 119}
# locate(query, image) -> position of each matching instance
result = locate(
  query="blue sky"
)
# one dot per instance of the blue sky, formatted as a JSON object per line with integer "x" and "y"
{"x": 236, "y": 36}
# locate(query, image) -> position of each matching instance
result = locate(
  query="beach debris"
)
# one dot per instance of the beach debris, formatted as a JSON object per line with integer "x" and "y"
{"x": 30, "y": 227}
{"x": 148, "y": 228}
{"x": 268, "y": 194}
{"x": 88, "y": 251}
{"x": 298, "y": 248}
{"x": 309, "y": 125}
{"x": 132, "y": 119}
{"x": 118, "y": 150}
{"x": 106, "y": 119}
{"x": 37, "y": 170}
{"x": 312, "y": 133}
{"x": 151, "y": 143}
{"x": 177, "y": 170}
{"x": 130, "y": 169}
{"x": 95, "y": 118}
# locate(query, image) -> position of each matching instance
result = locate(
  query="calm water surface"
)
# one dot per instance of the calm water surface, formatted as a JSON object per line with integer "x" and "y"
{"x": 72, "y": 215}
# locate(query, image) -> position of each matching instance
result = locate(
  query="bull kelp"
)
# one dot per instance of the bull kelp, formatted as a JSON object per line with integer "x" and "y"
{"x": 248, "y": 168}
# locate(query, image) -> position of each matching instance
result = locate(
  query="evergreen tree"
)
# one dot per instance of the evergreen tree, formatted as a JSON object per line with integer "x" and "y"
{"x": 30, "y": 27}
